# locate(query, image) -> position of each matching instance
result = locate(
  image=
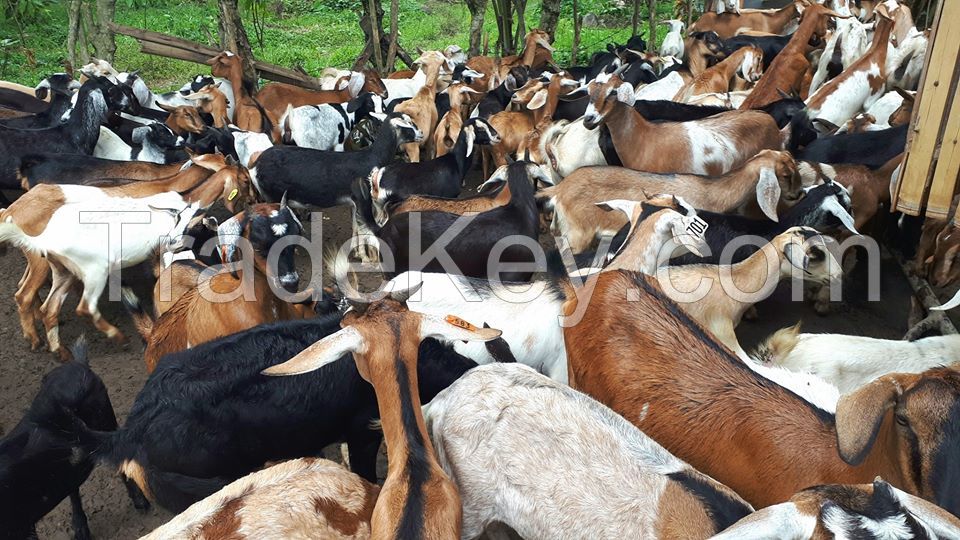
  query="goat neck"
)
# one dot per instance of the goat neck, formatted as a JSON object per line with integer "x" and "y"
{"x": 182, "y": 182}
{"x": 642, "y": 247}
{"x": 83, "y": 126}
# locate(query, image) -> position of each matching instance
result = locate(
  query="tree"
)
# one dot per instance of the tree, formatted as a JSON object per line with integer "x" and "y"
{"x": 477, "y": 10}
{"x": 88, "y": 30}
{"x": 376, "y": 40}
{"x": 549, "y": 14}
{"x": 233, "y": 37}
{"x": 652, "y": 21}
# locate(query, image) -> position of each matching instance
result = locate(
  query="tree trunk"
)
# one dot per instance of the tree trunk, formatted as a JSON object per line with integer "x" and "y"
{"x": 503, "y": 9}
{"x": 101, "y": 34}
{"x": 376, "y": 30}
{"x": 478, "y": 9}
{"x": 233, "y": 37}
{"x": 577, "y": 22}
{"x": 392, "y": 50}
{"x": 652, "y": 21}
{"x": 549, "y": 15}
{"x": 521, "y": 8}
{"x": 635, "y": 22}
{"x": 76, "y": 47}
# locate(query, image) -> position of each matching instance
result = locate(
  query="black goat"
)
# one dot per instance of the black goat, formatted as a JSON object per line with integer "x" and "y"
{"x": 78, "y": 135}
{"x": 212, "y": 141}
{"x": 471, "y": 248}
{"x": 439, "y": 177}
{"x": 61, "y": 87}
{"x": 41, "y": 462}
{"x": 870, "y": 148}
{"x": 323, "y": 179}
{"x": 158, "y": 143}
{"x": 227, "y": 419}
{"x": 771, "y": 45}
{"x": 497, "y": 99}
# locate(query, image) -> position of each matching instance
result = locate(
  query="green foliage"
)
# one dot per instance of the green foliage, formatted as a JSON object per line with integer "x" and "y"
{"x": 25, "y": 11}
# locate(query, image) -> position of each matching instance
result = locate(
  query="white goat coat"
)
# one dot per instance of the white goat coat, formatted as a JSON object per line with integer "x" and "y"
{"x": 547, "y": 460}
{"x": 111, "y": 146}
{"x": 854, "y": 41}
{"x": 673, "y": 42}
{"x": 849, "y": 362}
{"x": 529, "y": 321}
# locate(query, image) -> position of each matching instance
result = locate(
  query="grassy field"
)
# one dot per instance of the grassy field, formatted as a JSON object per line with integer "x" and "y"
{"x": 311, "y": 34}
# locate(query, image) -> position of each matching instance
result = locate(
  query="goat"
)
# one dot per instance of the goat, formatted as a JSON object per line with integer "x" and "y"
{"x": 399, "y": 89}
{"x": 790, "y": 71}
{"x": 40, "y": 464}
{"x": 905, "y": 63}
{"x": 726, "y": 25}
{"x": 770, "y": 45}
{"x": 200, "y": 82}
{"x": 714, "y": 145}
{"x": 440, "y": 177}
{"x": 38, "y": 219}
{"x": 212, "y": 101}
{"x": 291, "y": 170}
{"x": 276, "y": 97}
{"x": 146, "y": 97}
{"x": 622, "y": 357}
{"x": 746, "y": 62}
{"x": 422, "y": 109}
{"x": 249, "y": 114}
{"x": 49, "y": 168}
{"x": 672, "y": 44}
{"x": 158, "y": 144}
{"x": 849, "y": 362}
{"x": 60, "y": 87}
{"x": 473, "y": 245}
{"x": 847, "y": 43}
{"x": 450, "y": 124}
{"x": 859, "y": 86}
{"x": 227, "y": 302}
{"x": 869, "y": 511}
{"x": 720, "y": 310}
{"x": 301, "y": 497}
{"x": 872, "y": 148}
{"x": 249, "y": 146}
{"x": 417, "y": 498}
{"x": 111, "y": 146}
{"x": 78, "y": 135}
{"x": 179, "y": 451}
{"x": 767, "y": 179}
{"x": 869, "y": 188}
{"x": 326, "y": 126}
{"x": 488, "y": 198}
{"x": 499, "y": 413}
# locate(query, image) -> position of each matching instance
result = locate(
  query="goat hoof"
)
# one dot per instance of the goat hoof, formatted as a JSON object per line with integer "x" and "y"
{"x": 35, "y": 345}
{"x": 64, "y": 354}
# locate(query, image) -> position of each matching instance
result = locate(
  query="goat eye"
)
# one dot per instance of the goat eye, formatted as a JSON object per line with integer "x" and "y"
{"x": 902, "y": 420}
{"x": 817, "y": 254}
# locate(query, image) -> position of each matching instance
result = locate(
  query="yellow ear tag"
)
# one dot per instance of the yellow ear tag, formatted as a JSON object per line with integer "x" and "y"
{"x": 233, "y": 194}
{"x": 457, "y": 321}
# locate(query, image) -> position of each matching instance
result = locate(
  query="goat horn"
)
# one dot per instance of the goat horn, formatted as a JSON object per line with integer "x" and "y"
{"x": 405, "y": 294}
{"x": 283, "y": 200}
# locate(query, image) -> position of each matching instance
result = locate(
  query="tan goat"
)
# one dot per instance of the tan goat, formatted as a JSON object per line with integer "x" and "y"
{"x": 422, "y": 107}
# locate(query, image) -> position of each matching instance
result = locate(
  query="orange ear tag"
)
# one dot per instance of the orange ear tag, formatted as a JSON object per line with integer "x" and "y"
{"x": 458, "y": 322}
{"x": 233, "y": 194}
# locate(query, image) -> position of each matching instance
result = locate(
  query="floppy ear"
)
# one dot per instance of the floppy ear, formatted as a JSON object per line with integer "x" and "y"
{"x": 827, "y": 126}
{"x": 452, "y": 328}
{"x": 626, "y": 94}
{"x": 538, "y": 100}
{"x": 625, "y": 206}
{"x": 688, "y": 232}
{"x": 860, "y": 414}
{"x": 833, "y": 206}
{"x": 768, "y": 193}
{"x": 321, "y": 353}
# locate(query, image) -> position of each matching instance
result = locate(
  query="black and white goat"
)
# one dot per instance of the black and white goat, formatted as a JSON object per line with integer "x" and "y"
{"x": 326, "y": 126}
{"x": 158, "y": 144}
{"x": 61, "y": 87}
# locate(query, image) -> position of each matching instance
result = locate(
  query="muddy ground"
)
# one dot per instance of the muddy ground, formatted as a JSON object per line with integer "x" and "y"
{"x": 109, "y": 511}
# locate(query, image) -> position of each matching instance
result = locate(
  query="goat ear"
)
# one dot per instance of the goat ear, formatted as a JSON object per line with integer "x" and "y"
{"x": 283, "y": 201}
{"x": 165, "y": 107}
{"x": 832, "y": 206}
{"x": 827, "y": 126}
{"x": 860, "y": 414}
{"x": 627, "y": 207}
{"x": 688, "y": 232}
{"x": 907, "y": 96}
{"x": 768, "y": 192}
{"x": 782, "y": 520}
{"x": 538, "y": 100}
{"x": 626, "y": 94}
{"x": 321, "y": 353}
{"x": 453, "y": 328}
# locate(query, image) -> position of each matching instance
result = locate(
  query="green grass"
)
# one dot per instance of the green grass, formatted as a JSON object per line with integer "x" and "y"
{"x": 310, "y": 34}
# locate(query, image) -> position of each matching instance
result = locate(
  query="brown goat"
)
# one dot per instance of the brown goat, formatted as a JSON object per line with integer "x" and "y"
{"x": 467, "y": 205}
{"x": 300, "y": 498}
{"x": 213, "y": 102}
{"x": 747, "y": 62}
{"x": 726, "y": 25}
{"x": 713, "y": 145}
{"x": 869, "y": 188}
{"x": 448, "y": 128}
{"x": 249, "y": 114}
{"x": 183, "y": 119}
{"x": 275, "y": 97}
{"x": 638, "y": 353}
{"x": 791, "y": 71}
{"x": 422, "y": 107}
{"x": 417, "y": 500}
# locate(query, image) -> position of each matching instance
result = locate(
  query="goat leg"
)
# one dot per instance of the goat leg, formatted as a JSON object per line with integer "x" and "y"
{"x": 81, "y": 531}
{"x": 26, "y": 297}
{"x": 63, "y": 280}
{"x": 139, "y": 500}
{"x": 92, "y": 290}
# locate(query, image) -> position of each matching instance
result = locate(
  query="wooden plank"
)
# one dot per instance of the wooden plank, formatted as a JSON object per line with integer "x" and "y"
{"x": 927, "y": 117}
{"x": 948, "y": 163}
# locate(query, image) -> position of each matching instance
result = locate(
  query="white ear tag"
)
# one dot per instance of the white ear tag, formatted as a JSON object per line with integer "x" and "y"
{"x": 697, "y": 227}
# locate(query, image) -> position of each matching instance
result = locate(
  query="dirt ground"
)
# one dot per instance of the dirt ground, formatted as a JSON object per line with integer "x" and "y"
{"x": 111, "y": 516}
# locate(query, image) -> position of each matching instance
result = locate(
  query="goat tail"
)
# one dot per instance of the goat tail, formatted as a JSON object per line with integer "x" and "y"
{"x": 142, "y": 320}
{"x": 779, "y": 345}
{"x": 12, "y": 233}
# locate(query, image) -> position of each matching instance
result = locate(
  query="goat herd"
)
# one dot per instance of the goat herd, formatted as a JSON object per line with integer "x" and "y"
{"x": 612, "y": 397}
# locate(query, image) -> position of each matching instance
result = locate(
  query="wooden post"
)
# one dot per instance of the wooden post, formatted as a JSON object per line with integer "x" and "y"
{"x": 636, "y": 17}
{"x": 392, "y": 50}
{"x": 652, "y": 22}
{"x": 375, "y": 37}
{"x": 577, "y": 21}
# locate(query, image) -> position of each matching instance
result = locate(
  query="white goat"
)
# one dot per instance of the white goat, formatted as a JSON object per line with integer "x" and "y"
{"x": 111, "y": 146}
{"x": 323, "y": 127}
{"x": 673, "y": 42}
{"x": 905, "y": 61}
{"x": 849, "y": 362}
{"x": 248, "y": 143}
{"x": 405, "y": 88}
{"x": 852, "y": 39}
{"x": 551, "y": 462}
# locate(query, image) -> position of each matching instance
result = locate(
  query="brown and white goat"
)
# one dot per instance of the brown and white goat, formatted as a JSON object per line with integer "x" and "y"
{"x": 640, "y": 354}
{"x": 211, "y": 178}
{"x": 417, "y": 500}
{"x": 212, "y": 101}
{"x": 755, "y": 189}
{"x": 746, "y": 62}
{"x": 229, "y": 301}
{"x": 422, "y": 108}
{"x": 537, "y": 53}
{"x": 733, "y": 289}
{"x": 300, "y": 498}
{"x": 874, "y": 511}
{"x": 449, "y": 126}
{"x": 249, "y": 114}
{"x": 869, "y": 188}
{"x": 275, "y": 97}
{"x": 726, "y": 25}
{"x": 183, "y": 119}
{"x": 791, "y": 71}
{"x": 713, "y": 145}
